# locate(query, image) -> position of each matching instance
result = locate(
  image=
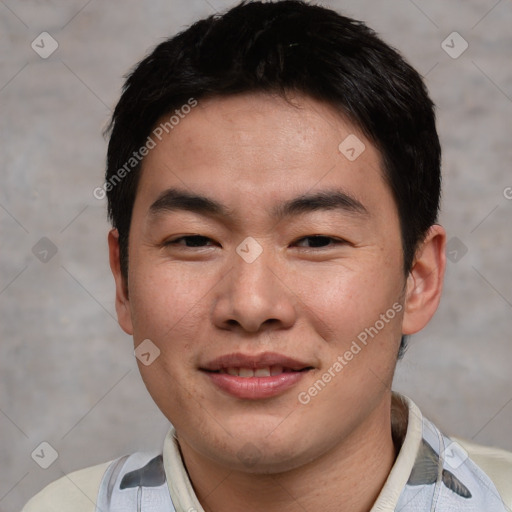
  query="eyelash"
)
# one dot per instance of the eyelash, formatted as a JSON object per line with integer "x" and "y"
{"x": 337, "y": 241}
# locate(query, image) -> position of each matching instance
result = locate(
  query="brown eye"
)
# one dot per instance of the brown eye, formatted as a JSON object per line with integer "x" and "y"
{"x": 319, "y": 241}
{"x": 190, "y": 241}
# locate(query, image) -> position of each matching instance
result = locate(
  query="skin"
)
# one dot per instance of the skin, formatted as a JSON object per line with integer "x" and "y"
{"x": 251, "y": 152}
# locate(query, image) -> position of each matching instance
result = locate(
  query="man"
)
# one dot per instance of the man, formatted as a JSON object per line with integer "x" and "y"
{"x": 273, "y": 179}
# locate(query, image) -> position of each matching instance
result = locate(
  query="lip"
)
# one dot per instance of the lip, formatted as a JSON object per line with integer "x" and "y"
{"x": 239, "y": 360}
{"x": 255, "y": 388}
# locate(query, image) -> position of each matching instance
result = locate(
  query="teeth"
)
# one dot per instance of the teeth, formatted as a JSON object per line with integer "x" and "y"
{"x": 267, "y": 371}
{"x": 246, "y": 372}
{"x": 276, "y": 370}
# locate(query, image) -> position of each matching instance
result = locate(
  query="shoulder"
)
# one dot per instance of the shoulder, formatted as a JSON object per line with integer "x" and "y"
{"x": 495, "y": 463}
{"x": 126, "y": 483}
{"x": 77, "y": 491}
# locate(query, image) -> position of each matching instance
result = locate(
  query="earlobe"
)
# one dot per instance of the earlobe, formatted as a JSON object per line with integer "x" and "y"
{"x": 122, "y": 300}
{"x": 425, "y": 281}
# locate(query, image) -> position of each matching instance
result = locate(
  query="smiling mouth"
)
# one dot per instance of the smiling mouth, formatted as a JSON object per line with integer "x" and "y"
{"x": 262, "y": 382}
{"x": 266, "y": 371}
{"x": 255, "y": 376}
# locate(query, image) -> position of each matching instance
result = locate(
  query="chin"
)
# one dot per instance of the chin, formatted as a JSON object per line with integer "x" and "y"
{"x": 262, "y": 451}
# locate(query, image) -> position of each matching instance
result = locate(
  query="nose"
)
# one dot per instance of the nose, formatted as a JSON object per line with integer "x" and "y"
{"x": 255, "y": 296}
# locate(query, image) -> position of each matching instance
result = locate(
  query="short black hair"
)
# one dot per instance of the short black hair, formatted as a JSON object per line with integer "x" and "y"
{"x": 281, "y": 47}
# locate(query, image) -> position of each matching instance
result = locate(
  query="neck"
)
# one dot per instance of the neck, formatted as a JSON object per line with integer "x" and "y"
{"x": 348, "y": 477}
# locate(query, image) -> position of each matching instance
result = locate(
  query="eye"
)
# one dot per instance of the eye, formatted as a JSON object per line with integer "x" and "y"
{"x": 189, "y": 241}
{"x": 319, "y": 241}
{"x": 312, "y": 241}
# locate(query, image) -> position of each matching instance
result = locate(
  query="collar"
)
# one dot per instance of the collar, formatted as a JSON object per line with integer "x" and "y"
{"x": 407, "y": 428}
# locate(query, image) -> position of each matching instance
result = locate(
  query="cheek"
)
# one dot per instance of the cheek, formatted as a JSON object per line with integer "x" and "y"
{"x": 344, "y": 302}
{"x": 164, "y": 299}
{"x": 169, "y": 309}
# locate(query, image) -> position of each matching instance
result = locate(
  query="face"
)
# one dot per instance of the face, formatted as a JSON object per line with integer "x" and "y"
{"x": 259, "y": 257}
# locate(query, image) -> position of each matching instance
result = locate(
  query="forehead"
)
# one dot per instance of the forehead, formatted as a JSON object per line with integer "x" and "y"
{"x": 252, "y": 149}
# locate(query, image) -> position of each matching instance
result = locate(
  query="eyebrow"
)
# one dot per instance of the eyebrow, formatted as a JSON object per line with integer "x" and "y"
{"x": 175, "y": 199}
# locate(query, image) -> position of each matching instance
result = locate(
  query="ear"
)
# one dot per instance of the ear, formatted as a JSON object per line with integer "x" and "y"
{"x": 122, "y": 302}
{"x": 425, "y": 281}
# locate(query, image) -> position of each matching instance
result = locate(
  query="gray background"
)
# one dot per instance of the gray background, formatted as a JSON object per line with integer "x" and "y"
{"x": 68, "y": 373}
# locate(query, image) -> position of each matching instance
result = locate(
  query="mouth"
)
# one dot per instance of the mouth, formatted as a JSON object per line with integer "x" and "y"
{"x": 255, "y": 377}
{"x": 264, "y": 371}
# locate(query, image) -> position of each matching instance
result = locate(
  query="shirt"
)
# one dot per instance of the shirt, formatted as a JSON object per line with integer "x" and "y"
{"x": 432, "y": 472}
